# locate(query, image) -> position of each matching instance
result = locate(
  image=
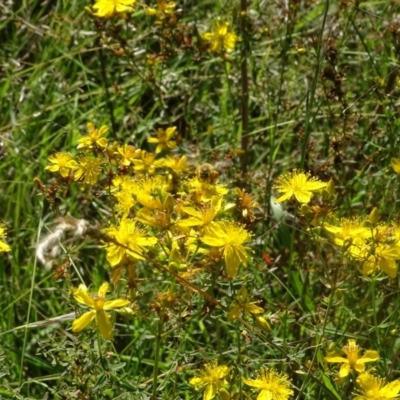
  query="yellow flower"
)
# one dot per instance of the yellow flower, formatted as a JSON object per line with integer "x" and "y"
{"x": 123, "y": 191}
{"x": 242, "y": 305}
{"x": 177, "y": 164}
{"x": 99, "y": 305}
{"x": 62, "y": 162}
{"x": 383, "y": 257}
{"x": 88, "y": 169}
{"x": 299, "y": 185}
{"x": 201, "y": 218}
{"x": 349, "y": 231}
{"x": 128, "y": 153}
{"x": 204, "y": 191}
{"x": 150, "y": 191}
{"x": 212, "y": 378}
{"x": 221, "y": 39}
{"x": 395, "y": 164}
{"x": 163, "y": 139}
{"x": 128, "y": 234}
{"x": 156, "y": 218}
{"x": 164, "y": 8}
{"x": 94, "y": 137}
{"x": 109, "y": 8}
{"x": 3, "y": 246}
{"x": 230, "y": 238}
{"x": 273, "y": 385}
{"x": 353, "y": 361}
{"x": 146, "y": 162}
{"x": 372, "y": 387}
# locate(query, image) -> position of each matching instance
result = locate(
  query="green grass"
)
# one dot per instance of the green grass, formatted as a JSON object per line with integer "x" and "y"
{"x": 331, "y": 109}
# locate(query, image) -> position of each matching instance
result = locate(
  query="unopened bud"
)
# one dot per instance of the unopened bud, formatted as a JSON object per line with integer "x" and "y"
{"x": 374, "y": 216}
{"x": 330, "y": 188}
{"x": 126, "y": 312}
{"x": 263, "y": 324}
{"x": 304, "y": 209}
{"x": 329, "y": 192}
{"x": 224, "y": 394}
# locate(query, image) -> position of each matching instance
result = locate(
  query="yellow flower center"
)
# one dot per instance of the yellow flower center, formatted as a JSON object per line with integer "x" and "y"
{"x": 352, "y": 353}
{"x": 98, "y": 302}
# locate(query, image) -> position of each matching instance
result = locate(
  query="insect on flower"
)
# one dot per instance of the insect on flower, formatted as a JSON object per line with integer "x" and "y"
{"x": 206, "y": 173}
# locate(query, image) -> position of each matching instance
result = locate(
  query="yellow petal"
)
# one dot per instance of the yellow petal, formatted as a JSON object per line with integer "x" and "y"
{"x": 314, "y": 185}
{"x": 52, "y": 168}
{"x": 232, "y": 261}
{"x": 197, "y": 381}
{"x": 102, "y": 142}
{"x": 234, "y": 313}
{"x": 103, "y": 289}
{"x": 223, "y": 370}
{"x": 389, "y": 267}
{"x": 103, "y": 130}
{"x": 344, "y": 370}
{"x": 210, "y": 392}
{"x": 369, "y": 266}
{"x": 171, "y": 144}
{"x": 336, "y": 359}
{"x": 146, "y": 241}
{"x": 109, "y": 305}
{"x": 4, "y": 247}
{"x": 391, "y": 390}
{"x": 253, "y": 308}
{"x": 189, "y": 222}
{"x": 370, "y": 355}
{"x": 303, "y": 196}
{"x": 81, "y": 296}
{"x": 83, "y": 321}
{"x": 268, "y": 395}
{"x": 257, "y": 383}
{"x": 284, "y": 197}
{"x": 192, "y": 211}
{"x": 395, "y": 164}
{"x": 104, "y": 324}
{"x": 359, "y": 367}
{"x": 64, "y": 172}
{"x": 214, "y": 236}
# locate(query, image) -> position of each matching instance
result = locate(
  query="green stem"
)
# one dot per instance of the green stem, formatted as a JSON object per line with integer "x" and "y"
{"x": 310, "y": 102}
{"x": 157, "y": 356}
{"x": 244, "y": 109}
{"x": 373, "y": 295}
{"x": 29, "y": 304}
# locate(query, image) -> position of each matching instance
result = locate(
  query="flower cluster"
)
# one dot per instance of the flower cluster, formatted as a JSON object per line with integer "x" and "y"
{"x": 375, "y": 245}
{"x": 156, "y": 201}
{"x": 369, "y": 387}
{"x": 166, "y": 212}
{"x": 213, "y": 378}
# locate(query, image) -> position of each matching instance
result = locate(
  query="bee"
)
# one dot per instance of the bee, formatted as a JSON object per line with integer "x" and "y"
{"x": 206, "y": 173}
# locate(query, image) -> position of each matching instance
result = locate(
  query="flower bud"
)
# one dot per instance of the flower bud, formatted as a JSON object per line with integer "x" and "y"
{"x": 263, "y": 324}
{"x": 224, "y": 394}
{"x": 374, "y": 216}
